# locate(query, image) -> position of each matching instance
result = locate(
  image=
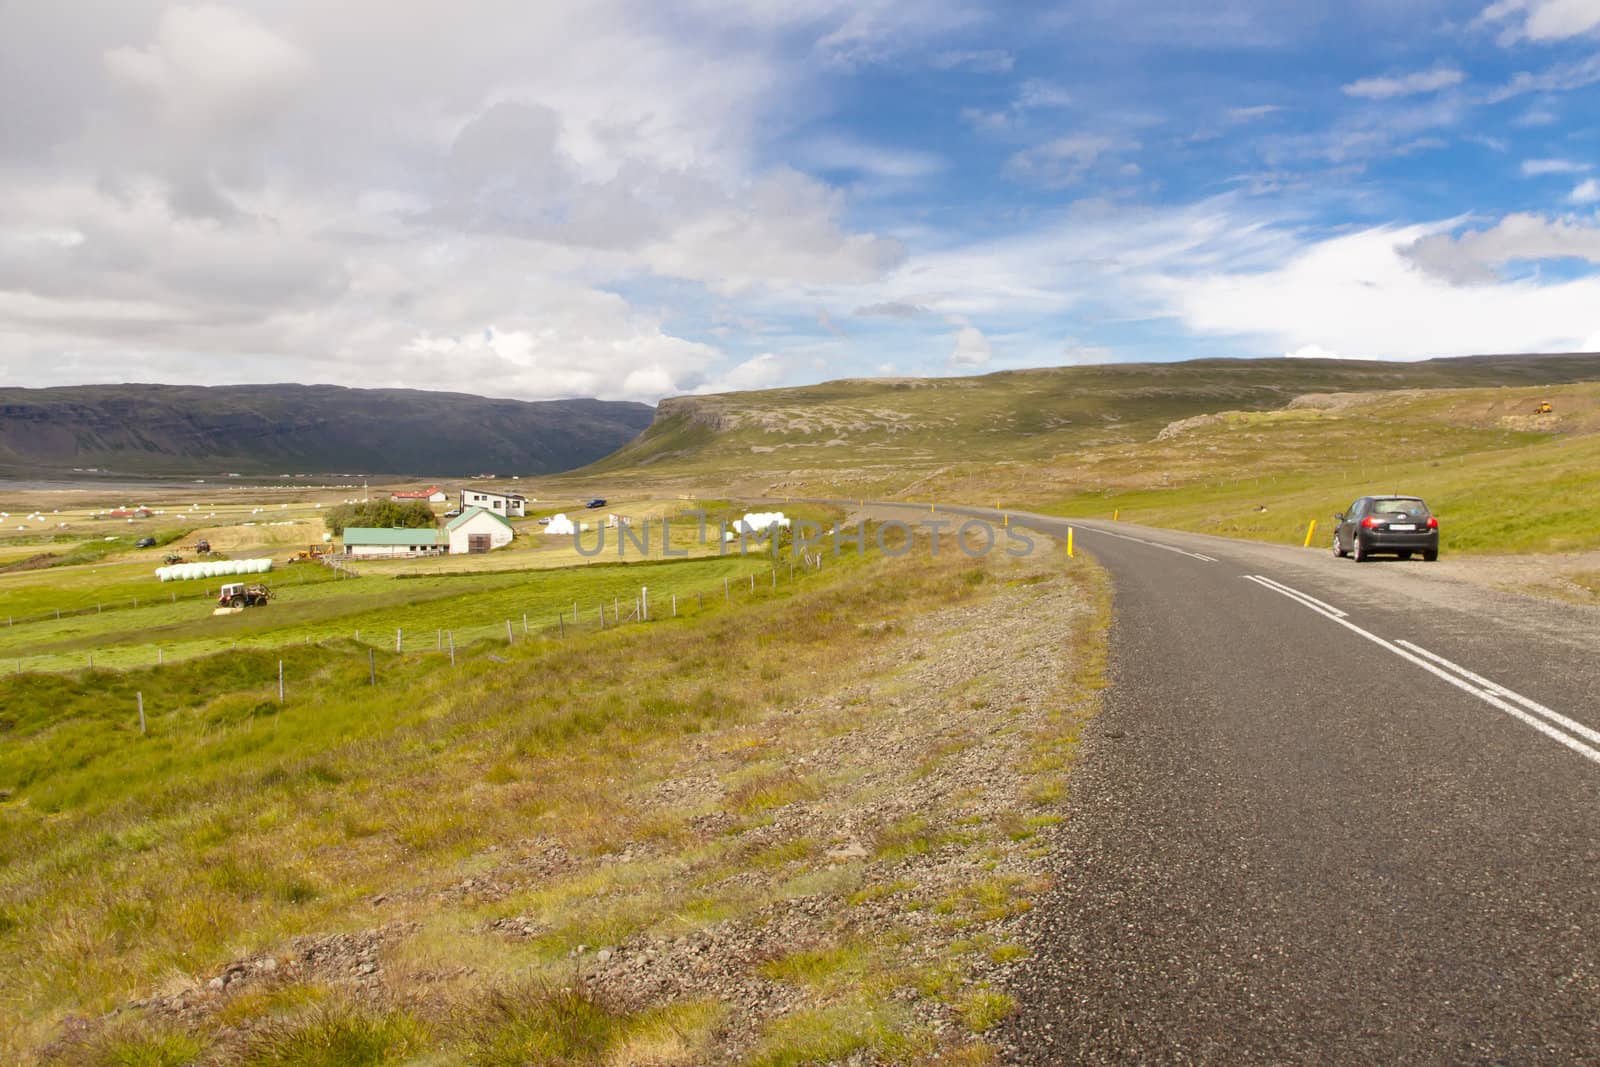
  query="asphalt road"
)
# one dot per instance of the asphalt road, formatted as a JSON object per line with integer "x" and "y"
{"x": 1294, "y": 839}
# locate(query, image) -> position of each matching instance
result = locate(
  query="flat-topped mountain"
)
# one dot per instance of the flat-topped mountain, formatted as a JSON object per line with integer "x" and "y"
{"x": 310, "y": 429}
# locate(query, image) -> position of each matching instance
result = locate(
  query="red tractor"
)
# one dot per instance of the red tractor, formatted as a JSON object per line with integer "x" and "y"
{"x": 240, "y": 595}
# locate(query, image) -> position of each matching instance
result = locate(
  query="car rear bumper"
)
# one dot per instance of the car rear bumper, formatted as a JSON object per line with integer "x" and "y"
{"x": 1382, "y": 541}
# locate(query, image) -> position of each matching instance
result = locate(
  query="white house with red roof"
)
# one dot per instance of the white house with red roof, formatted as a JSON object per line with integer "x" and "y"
{"x": 432, "y": 495}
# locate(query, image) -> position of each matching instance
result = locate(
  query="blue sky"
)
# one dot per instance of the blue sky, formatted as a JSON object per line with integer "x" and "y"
{"x": 634, "y": 200}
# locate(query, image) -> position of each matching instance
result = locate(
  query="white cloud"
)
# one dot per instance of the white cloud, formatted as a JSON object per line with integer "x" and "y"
{"x": 1063, "y": 160}
{"x": 875, "y": 31}
{"x": 980, "y": 61}
{"x": 987, "y": 121}
{"x": 1251, "y": 114}
{"x": 972, "y": 348}
{"x": 1542, "y": 20}
{"x": 1559, "y": 78}
{"x": 1037, "y": 94}
{"x": 1535, "y": 117}
{"x": 891, "y": 309}
{"x": 1587, "y": 192}
{"x": 1473, "y": 257}
{"x": 784, "y": 231}
{"x": 1535, "y": 168}
{"x": 843, "y": 153}
{"x": 760, "y": 372}
{"x": 1075, "y": 352}
{"x": 210, "y": 65}
{"x": 1313, "y": 352}
{"x": 247, "y": 197}
{"x": 1362, "y": 295}
{"x": 1427, "y": 81}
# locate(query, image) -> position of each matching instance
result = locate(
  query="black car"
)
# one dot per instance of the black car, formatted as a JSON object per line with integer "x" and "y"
{"x": 597, "y": 502}
{"x": 1397, "y": 525}
{"x": 145, "y": 542}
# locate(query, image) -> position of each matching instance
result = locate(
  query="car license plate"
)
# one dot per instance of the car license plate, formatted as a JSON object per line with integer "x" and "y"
{"x": 1402, "y": 526}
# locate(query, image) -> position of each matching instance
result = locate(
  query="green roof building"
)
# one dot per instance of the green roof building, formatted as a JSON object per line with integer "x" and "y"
{"x": 371, "y": 541}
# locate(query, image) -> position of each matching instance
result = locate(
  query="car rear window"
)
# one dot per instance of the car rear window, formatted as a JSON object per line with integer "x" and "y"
{"x": 1409, "y": 507}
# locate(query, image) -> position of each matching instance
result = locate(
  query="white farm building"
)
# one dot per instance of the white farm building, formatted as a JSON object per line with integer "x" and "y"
{"x": 367, "y": 542}
{"x": 478, "y": 530}
{"x": 512, "y": 505}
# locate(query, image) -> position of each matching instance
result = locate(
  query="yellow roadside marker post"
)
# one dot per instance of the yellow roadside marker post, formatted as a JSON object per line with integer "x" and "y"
{"x": 1069, "y": 542}
{"x": 1116, "y": 513}
{"x": 1310, "y": 532}
{"x": 1005, "y": 520}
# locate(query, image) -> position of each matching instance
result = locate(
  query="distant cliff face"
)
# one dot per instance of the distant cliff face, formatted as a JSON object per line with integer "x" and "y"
{"x": 315, "y": 429}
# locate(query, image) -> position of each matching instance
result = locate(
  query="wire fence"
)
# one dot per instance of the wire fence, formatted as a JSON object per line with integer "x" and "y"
{"x": 648, "y": 605}
{"x": 130, "y": 603}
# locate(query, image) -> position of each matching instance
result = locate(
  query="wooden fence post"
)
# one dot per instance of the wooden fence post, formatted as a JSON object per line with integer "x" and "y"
{"x": 452, "y": 636}
{"x": 674, "y": 605}
{"x": 508, "y": 631}
{"x": 372, "y": 667}
{"x": 397, "y": 639}
{"x": 280, "y": 681}
{"x": 140, "y": 696}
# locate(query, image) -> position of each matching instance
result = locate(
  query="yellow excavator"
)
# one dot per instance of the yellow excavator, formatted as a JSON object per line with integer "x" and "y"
{"x": 1544, "y": 408}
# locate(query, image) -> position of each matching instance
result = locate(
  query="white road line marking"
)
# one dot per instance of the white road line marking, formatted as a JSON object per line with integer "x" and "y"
{"x": 1324, "y": 605}
{"x": 1500, "y": 690}
{"x": 1152, "y": 544}
{"x": 1488, "y": 696}
{"x": 1299, "y": 598}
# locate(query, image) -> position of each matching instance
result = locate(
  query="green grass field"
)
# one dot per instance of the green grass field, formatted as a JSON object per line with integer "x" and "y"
{"x": 311, "y": 605}
{"x": 133, "y": 863}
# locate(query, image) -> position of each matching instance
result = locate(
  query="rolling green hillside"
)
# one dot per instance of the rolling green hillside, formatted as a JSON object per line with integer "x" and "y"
{"x": 871, "y": 432}
{"x": 1247, "y": 448}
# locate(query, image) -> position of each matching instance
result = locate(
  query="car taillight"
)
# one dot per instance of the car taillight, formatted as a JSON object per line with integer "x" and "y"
{"x": 1433, "y": 523}
{"x": 1371, "y": 522}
